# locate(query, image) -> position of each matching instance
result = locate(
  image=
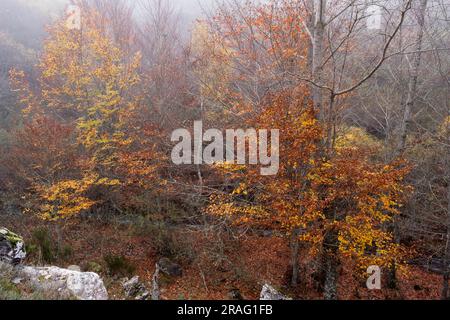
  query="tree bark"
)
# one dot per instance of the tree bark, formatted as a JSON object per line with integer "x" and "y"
{"x": 412, "y": 86}
{"x": 446, "y": 277}
{"x": 156, "y": 292}
{"x": 407, "y": 114}
{"x": 330, "y": 265}
{"x": 317, "y": 53}
{"x": 295, "y": 247}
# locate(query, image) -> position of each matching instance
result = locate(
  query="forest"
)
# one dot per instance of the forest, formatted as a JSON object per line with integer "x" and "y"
{"x": 119, "y": 127}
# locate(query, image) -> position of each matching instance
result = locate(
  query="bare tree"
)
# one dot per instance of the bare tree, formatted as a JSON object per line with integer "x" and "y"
{"x": 164, "y": 59}
{"x": 116, "y": 18}
{"x": 412, "y": 87}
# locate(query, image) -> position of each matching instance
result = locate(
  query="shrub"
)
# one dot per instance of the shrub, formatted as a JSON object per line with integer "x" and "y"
{"x": 48, "y": 249}
{"x": 119, "y": 265}
{"x": 65, "y": 252}
{"x": 42, "y": 240}
{"x": 8, "y": 291}
{"x": 165, "y": 240}
{"x": 93, "y": 266}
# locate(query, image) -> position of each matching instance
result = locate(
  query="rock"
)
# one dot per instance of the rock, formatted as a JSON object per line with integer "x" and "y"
{"x": 169, "y": 268}
{"x": 235, "y": 294}
{"x": 64, "y": 282}
{"x": 132, "y": 287}
{"x": 270, "y": 293}
{"x": 12, "y": 247}
{"x": 143, "y": 296}
{"x": 5, "y": 269}
{"x": 74, "y": 268}
{"x": 135, "y": 289}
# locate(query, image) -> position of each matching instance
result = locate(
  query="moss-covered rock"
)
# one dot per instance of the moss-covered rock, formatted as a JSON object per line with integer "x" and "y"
{"x": 12, "y": 247}
{"x": 10, "y": 236}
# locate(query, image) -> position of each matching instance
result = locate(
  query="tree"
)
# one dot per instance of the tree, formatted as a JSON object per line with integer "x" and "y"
{"x": 345, "y": 200}
{"x": 87, "y": 84}
{"x": 412, "y": 87}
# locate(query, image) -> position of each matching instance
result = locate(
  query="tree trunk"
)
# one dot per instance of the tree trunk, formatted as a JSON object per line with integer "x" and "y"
{"x": 446, "y": 276}
{"x": 392, "y": 271}
{"x": 317, "y": 53}
{"x": 329, "y": 261}
{"x": 392, "y": 276}
{"x": 330, "y": 265}
{"x": 295, "y": 247}
{"x": 407, "y": 114}
{"x": 156, "y": 292}
{"x": 445, "y": 290}
{"x": 412, "y": 87}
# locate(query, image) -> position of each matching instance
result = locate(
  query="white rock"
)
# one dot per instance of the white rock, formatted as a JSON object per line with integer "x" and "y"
{"x": 79, "y": 285}
{"x": 135, "y": 289}
{"x": 270, "y": 293}
{"x": 74, "y": 268}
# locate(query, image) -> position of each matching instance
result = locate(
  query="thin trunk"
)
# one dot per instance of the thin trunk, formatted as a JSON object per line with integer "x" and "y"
{"x": 331, "y": 123}
{"x": 330, "y": 265}
{"x": 392, "y": 271}
{"x": 446, "y": 278}
{"x": 317, "y": 53}
{"x": 412, "y": 87}
{"x": 199, "y": 169}
{"x": 330, "y": 258}
{"x": 295, "y": 247}
{"x": 156, "y": 292}
{"x": 407, "y": 115}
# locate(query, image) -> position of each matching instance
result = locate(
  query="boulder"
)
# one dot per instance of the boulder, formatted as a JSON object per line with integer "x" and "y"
{"x": 135, "y": 289}
{"x": 64, "y": 282}
{"x": 169, "y": 268}
{"x": 12, "y": 247}
{"x": 74, "y": 268}
{"x": 270, "y": 293}
{"x": 6, "y": 269}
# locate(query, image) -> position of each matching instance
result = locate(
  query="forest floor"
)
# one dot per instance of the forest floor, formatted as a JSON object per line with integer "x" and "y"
{"x": 213, "y": 264}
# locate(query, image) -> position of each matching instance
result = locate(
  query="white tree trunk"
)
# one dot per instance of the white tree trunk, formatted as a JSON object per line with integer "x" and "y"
{"x": 412, "y": 87}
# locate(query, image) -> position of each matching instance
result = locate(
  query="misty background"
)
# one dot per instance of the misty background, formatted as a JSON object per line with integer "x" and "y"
{"x": 22, "y": 31}
{"x": 23, "y": 21}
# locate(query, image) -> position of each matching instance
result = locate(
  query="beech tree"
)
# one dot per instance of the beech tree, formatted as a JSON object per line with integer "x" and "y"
{"x": 86, "y": 84}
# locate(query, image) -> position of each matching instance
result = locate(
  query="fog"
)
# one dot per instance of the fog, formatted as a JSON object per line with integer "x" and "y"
{"x": 23, "y": 29}
{"x": 192, "y": 8}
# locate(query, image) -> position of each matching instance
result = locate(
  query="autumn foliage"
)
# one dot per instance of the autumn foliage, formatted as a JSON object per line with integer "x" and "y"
{"x": 99, "y": 109}
{"x": 78, "y": 122}
{"x": 346, "y": 192}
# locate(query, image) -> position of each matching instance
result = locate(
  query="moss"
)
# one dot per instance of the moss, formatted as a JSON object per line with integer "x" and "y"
{"x": 11, "y": 236}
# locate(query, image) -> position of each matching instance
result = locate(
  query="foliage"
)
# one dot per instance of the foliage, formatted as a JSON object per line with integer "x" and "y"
{"x": 47, "y": 247}
{"x": 119, "y": 265}
{"x": 8, "y": 291}
{"x": 345, "y": 193}
{"x": 85, "y": 151}
{"x": 43, "y": 241}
